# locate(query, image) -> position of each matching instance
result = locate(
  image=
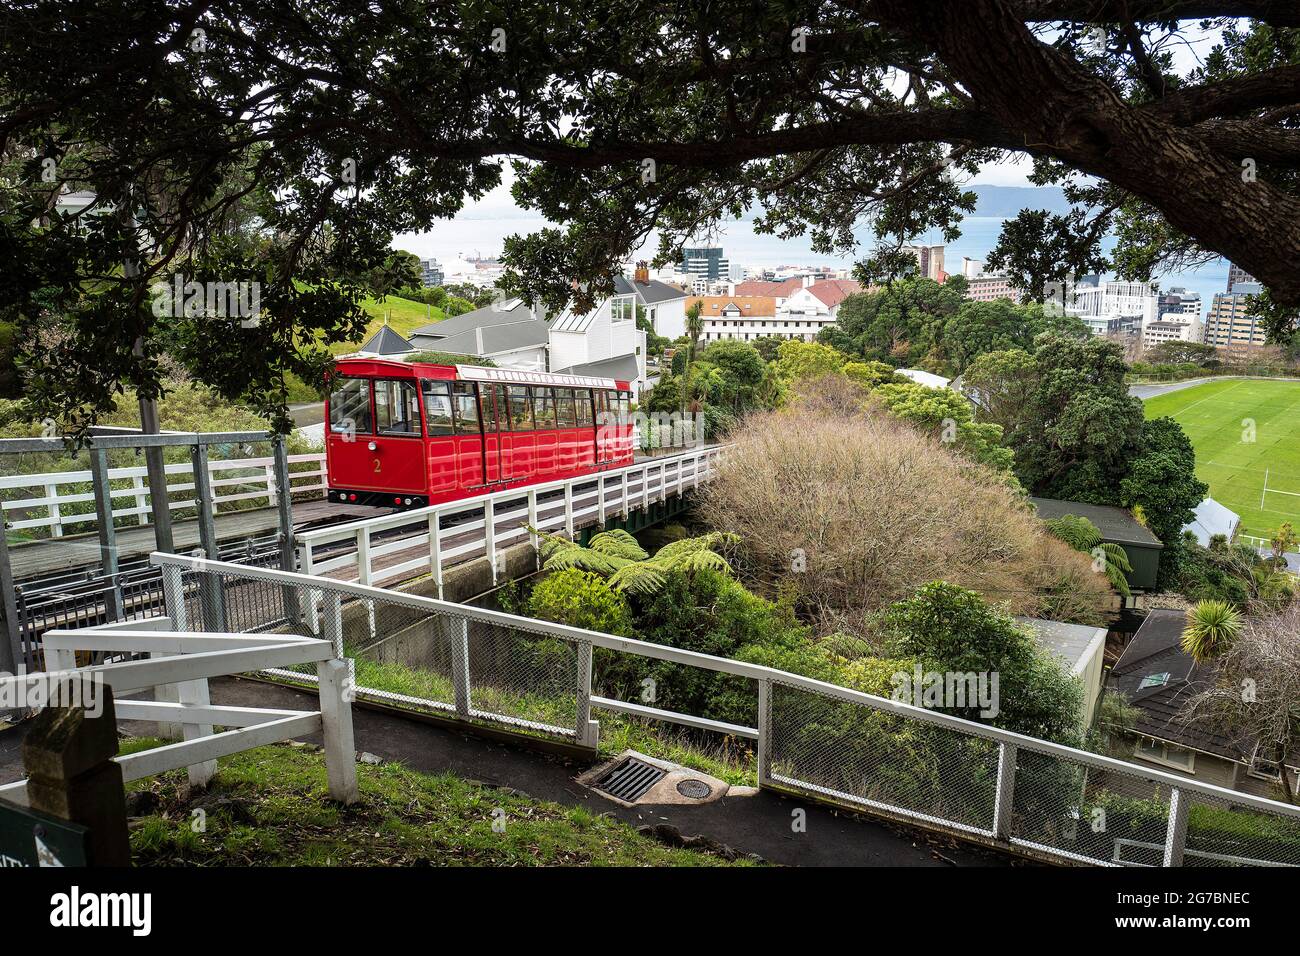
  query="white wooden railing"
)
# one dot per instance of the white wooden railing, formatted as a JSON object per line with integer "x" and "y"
{"x": 428, "y": 540}
{"x": 240, "y": 479}
{"x": 177, "y": 669}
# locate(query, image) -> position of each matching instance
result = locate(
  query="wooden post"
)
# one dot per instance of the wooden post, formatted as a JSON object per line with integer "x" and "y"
{"x": 141, "y": 501}
{"x": 764, "y": 731}
{"x": 336, "y": 729}
{"x": 1176, "y": 828}
{"x": 71, "y": 775}
{"x": 457, "y": 630}
{"x": 56, "y": 515}
{"x": 1004, "y": 798}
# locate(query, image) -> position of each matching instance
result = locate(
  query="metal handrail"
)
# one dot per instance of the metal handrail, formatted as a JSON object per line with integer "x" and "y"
{"x": 763, "y": 674}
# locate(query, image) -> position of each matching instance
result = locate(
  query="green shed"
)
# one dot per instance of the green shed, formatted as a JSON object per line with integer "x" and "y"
{"x": 1116, "y": 525}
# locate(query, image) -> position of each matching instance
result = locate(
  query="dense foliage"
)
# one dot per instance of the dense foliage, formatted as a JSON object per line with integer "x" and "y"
{"x": 1078, "y": 435}
{"x": 251, "y": 142}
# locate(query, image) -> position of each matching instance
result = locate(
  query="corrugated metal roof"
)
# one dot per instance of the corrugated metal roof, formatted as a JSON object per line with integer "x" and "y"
{"x": 489, "y": 340}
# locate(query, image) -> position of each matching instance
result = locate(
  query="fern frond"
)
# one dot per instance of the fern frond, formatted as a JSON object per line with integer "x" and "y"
{"x": 585, "y": 559}
{"x": 694, "y": 561}
{"x": 1117, "y": 556}
{"x": 704, "y": 542}
{"x": 640, "y": 578}
{"x": 618, "y": 543}
{"x": 1079, "y": 533}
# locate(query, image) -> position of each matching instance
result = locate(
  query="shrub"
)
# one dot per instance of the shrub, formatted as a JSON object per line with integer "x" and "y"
{"x": 850, "y": 511}
{"x": 952, "y": 629}
{"x": 581, "y": 599}
{"x": 704, "y": 611}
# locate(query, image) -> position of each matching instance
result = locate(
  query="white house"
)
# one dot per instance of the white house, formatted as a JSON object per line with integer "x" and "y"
{"x": 510, "y": 333}
{"x": 1211, "y": 518}
{"x": 607, "y": 332}
{"x": 795, "y": 309}
{"x": 664, "y": 304}
{"x": 516, "y": 335}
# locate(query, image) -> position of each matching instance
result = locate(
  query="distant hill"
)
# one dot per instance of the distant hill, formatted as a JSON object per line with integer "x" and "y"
{"x": 1001, "y": 202}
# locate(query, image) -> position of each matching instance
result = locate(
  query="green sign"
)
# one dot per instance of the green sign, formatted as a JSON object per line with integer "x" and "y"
{"x": 28, "y": 838}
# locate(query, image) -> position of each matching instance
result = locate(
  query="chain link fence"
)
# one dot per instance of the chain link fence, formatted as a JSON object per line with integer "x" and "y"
{"x": 816, "y": 739}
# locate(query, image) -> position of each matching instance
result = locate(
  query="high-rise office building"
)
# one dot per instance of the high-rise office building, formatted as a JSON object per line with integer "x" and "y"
{"x": 1239, "y": 276}
{"x": 431, "y": 272}
{"x": 707, "y": 263}
{"x": 1229, "y": 322}
{"x": 929, "y": 261}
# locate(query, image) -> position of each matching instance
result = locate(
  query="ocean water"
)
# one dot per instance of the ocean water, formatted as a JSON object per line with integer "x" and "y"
{"x": 483, "y": 233}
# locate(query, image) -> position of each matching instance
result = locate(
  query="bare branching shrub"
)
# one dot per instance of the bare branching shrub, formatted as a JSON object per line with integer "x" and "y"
{"x": 849, "y": 511}
{"x": 1254, "y": 697}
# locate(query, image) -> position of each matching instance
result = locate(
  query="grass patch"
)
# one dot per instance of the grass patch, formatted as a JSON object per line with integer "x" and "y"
{"x": 727, "y": 759}
{"x": 403, "y": 316}
{"x": 1233, "y": 457}
{"x": 270, "y": 807}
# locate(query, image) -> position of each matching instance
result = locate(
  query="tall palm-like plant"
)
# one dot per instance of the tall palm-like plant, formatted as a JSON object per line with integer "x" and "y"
{"x": 694, "y": 329}
{"x": 1211, "y": 628}
{"x": 617, "y": 556}
{"x": 1082, "y": 535}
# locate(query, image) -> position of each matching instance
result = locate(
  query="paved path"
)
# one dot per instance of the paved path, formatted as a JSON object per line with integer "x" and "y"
{"x": 754, "y": 822}
{"x": 1150, "y": 391}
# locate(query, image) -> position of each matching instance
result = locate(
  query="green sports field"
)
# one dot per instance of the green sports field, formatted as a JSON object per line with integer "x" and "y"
{"x": 1254, "y": 471}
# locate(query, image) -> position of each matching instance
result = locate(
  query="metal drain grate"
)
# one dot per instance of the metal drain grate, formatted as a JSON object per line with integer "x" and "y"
{"x": 695, "y": 789}
{"x": 630, "y": 779}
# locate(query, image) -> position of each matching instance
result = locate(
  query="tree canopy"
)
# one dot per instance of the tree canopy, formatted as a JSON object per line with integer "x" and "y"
{"x": 287, "y": 143}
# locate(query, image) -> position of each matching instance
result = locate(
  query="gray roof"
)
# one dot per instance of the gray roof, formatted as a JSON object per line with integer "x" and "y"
{"x": 498, "y": 313}
{"x": 1075, "y": 644}
{"x": 1155, "y": 656}
{"x": 524, "y": 332}
{"x": 1115, "y": 524}
{"x": 650, "y": 292}
{"x": 622, "y": 367}
{"x": 386, "y": 342}
{"x": 1211, "y": 518}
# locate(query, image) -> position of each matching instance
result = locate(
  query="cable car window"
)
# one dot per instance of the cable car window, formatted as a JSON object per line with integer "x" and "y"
{"x": 602, "y": 401}
{"x": 350, "y": 406}
{"x": 503, "y": 407}
{"x": 543, "y": 407}
{"x": 584, "y": 408}
{"x": 397, "y": 411}
{"x": 521, "y": 411}
{"x": 564, "y": 413}
{"x": 466, "y": 398}
{"x": 437, "y": 407}
{"x": 489, "y": 410}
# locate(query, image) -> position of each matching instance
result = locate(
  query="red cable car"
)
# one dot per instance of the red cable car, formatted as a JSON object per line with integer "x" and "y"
{"x": 407, "y": 434}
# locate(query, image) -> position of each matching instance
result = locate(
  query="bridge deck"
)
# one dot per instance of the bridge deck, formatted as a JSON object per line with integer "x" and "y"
{"x": 36, "y": 559}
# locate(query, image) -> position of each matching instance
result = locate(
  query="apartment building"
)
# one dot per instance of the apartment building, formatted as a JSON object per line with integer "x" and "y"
{"x": 929, "y": 261}
{"x": 1113, "y": 307}
{"x": 988, "y": 288}
{"x": 1229, "y": 322}
{"x": 794, "y": 309}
